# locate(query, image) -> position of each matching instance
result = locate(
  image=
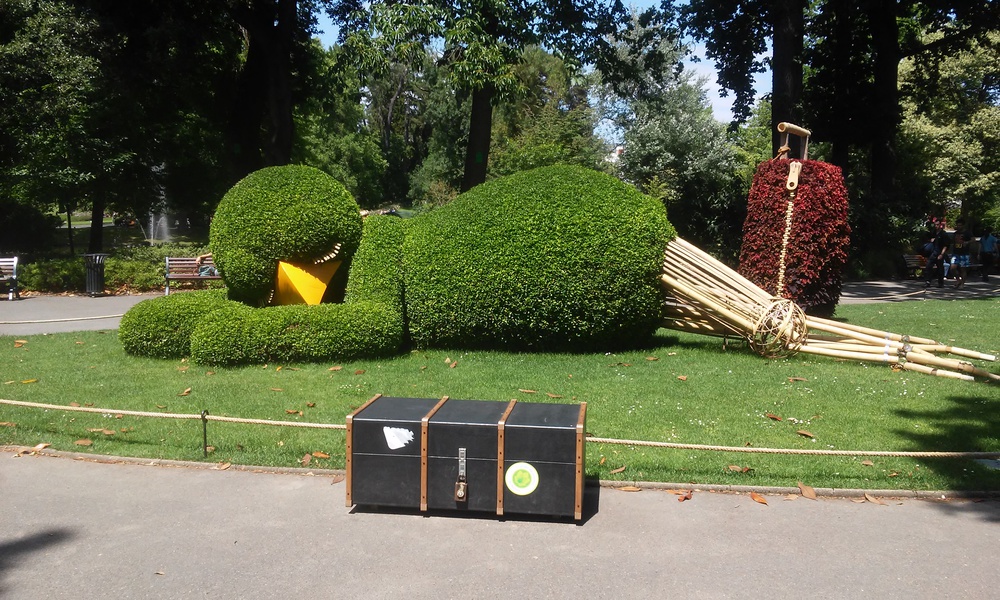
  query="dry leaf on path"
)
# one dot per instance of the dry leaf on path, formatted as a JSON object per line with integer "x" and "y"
{"x": 629, "y": 488}
{"x": 758, "y": 498}
{"x": 807, "y": 491}
{"x": 337, "y": 479}
{"x": 684, "y": 496}
{"x": 223, "y": 466}
{"x": 874, "y": 500}
{"x": 792, "y": 497}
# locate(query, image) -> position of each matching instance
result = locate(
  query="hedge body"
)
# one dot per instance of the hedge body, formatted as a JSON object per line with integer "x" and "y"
{"x": 368, "y": 324}
{"x": 291, "y": 213}
{"x": 162, "y": 327}
{"x": 556, "y": 258}
{"x": 818, "y": 239}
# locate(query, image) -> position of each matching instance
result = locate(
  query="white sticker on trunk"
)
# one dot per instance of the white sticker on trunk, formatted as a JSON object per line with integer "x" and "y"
{"x": 397, "y": 437}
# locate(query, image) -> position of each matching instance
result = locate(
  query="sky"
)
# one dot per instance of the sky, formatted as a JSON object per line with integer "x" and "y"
{"x": 721, "y": 107}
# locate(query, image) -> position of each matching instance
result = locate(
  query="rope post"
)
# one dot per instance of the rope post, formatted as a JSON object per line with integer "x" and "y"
{"x": 204, "y": 432}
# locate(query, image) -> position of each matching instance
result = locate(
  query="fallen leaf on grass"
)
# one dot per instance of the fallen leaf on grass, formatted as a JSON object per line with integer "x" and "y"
{"x": 527, "y": 391}
{"x": 161, "y": 406}
{"x": 652, "y": 358}
{"x": 83, "y": 442}
{"x": 805, "y": 433}
{"x": 738, "y": 469}
{"x": 320, "y": 455}
{"x": 671, "y": 354}
{"x": 7, "y": 424}
{"x": 682, "y": 377}
{"x": 807, "y": 491}
{"x": 100, "y": 430}
{"x": 292, "y": 411}
{"x": 773, "y": 417}
{"x": 602, "y": 460}
{"x": 893, "y": 474}
{"x": 337, "y": 368}
{"x": 184, "y": 368}
{"x": 629, "y": 488}
{"x": 186, "y": 392}
{"x": 867, "y": 463}
{"x": 758, "y": 498}
{"x": 794, "y": 379}
{"x": 453, "y": 365}
{"x": 359, "y": 372}
{"x": 311, "y": 404}
{"x": 209, "y": 372}
{"x": 277, "y": 390}
{"x": 620, "y": 469}
{"x": 29, "y": 381}
{"x": 874, "y": 500}
{"x": 19, "y": 343}
{"x": 553, "y": 395}
{"x": 74, "y": 404}
{"x": 210, "y": 449}
{"x": 305, "y": 460}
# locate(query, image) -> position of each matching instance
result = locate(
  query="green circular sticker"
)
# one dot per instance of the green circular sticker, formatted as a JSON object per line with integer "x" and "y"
{"x": 521, "y": 478}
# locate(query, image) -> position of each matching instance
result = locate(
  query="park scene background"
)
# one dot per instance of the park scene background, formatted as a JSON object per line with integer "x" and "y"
{"x": 141, "y": 118}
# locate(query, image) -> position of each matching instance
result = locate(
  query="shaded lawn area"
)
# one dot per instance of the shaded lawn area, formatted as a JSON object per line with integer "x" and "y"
{"x": 682, "y": 388}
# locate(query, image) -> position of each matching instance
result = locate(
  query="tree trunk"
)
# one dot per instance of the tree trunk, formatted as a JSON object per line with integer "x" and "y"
{"x": 480, "y": 131}
{"x": 96, "y": 227}
{"x": 885, "y": 41}
{"x": 788, "y": 22}
{"x": 278, "y": 149}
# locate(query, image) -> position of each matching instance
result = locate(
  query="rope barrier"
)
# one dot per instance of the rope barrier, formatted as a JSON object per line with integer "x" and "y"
{"x": 61, "y": 320}
{"x": 594, "y": 440}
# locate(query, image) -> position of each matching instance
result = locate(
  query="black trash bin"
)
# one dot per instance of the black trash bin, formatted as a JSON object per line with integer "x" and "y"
{"x": 95, "y": 273}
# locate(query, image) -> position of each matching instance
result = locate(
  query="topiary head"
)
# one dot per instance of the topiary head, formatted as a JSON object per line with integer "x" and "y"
{"x": 289, "y": 213}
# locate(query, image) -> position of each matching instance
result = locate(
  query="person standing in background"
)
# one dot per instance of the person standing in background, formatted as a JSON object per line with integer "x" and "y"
{"x": 935, "y": 261}
{"x": 987, "y": 252}
{"x": 960, "y": 247}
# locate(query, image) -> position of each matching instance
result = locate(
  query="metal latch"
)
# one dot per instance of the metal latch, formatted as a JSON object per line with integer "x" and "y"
{"x": 461, "y": 486}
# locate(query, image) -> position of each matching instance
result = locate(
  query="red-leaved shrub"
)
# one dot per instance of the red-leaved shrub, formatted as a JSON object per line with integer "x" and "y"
{"x": 817, "y": 242}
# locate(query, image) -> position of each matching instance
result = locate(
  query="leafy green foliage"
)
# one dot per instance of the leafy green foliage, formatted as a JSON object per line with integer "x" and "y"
{"x": 52, "y": 275}
{"x": 162, "y": 327}
{"x": 556, "y": 257}
{"x": 290, "y": 213}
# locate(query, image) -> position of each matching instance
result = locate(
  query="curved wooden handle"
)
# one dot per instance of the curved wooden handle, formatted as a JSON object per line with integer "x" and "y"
{"x": 793, "y": 129}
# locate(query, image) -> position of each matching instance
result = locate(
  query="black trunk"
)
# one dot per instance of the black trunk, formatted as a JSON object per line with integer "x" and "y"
{"x": 97, "y": 228}
{"x": 885, "y": 39}
{"x": 787, "y": 20}
{"x": 480, "y": 130}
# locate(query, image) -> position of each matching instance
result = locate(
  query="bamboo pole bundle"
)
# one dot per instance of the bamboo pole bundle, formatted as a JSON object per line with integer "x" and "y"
{"x": 705, "y": 296}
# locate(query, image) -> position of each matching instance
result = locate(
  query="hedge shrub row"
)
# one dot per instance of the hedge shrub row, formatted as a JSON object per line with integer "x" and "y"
{"x": 557, "y": 258}
{"x": 162, "y": 327}
{"x": 368, "y": 324}
{"x": 291, "y": 213}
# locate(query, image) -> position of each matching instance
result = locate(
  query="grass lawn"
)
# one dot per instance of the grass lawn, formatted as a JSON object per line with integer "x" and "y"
{"x": 683, "y": 388}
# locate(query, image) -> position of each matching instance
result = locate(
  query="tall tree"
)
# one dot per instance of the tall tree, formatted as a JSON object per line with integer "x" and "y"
{"x": 482, "y": 42}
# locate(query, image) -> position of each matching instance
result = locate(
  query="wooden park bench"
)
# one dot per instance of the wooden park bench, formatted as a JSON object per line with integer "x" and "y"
{"x": 188, "y": 268}
{"x": 8, "y": 277}
{"x": 912, "y": 264}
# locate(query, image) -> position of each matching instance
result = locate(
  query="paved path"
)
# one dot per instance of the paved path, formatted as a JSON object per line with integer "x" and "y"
{"x": 75, "y": 529}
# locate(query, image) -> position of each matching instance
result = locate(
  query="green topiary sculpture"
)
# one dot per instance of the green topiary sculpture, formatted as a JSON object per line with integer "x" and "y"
{"x": 555, "y": 258}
